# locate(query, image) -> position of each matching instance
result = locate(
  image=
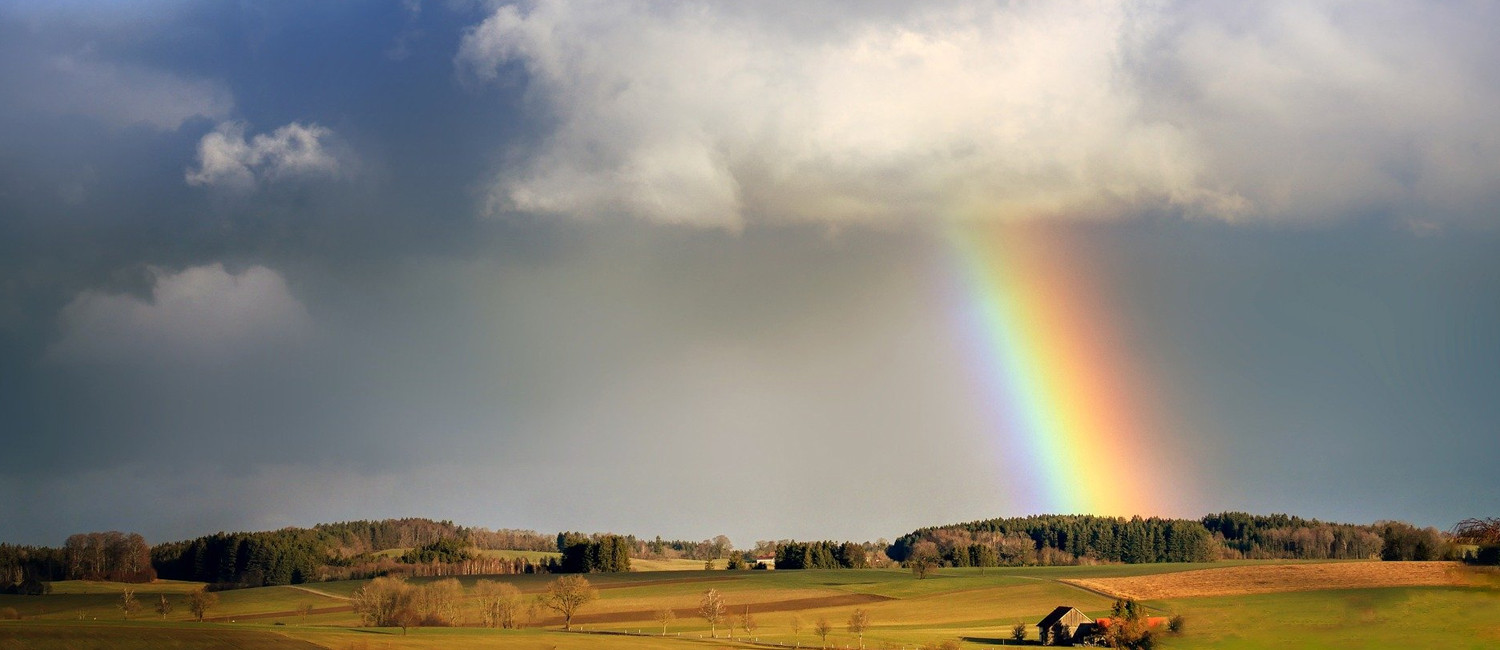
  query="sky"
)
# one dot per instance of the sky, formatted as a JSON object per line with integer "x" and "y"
{"x": 830, "y": 270}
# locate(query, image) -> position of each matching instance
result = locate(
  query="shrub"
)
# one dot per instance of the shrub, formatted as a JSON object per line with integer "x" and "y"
{"x": 9, "y": 614}
{"x": 1174, "y": 624}
{"x": 1489, "y": 555}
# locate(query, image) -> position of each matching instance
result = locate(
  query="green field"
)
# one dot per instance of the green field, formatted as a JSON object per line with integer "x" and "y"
{"x": 975, "y": 606}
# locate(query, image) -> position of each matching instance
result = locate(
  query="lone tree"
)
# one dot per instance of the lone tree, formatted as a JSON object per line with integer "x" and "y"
{"x": 923, "y": 559}
{"x": 199, "y": 602}
{"x": 749, "y": 623}
{"x": 796, "y": 624}
{"x": 128, "y": 603}
{"x": 823, "y": 628}
{"x": 568, "y": 594}
{"x": 859, "y": 621}
{"x": 163, "y": 606}
{"x": 711, "y": 608}
{"x": 1018, "y": 632}
{"x": 665, "y": 616}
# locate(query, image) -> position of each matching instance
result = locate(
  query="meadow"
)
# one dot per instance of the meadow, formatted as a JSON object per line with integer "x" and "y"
{"x": 1391, "y": 605}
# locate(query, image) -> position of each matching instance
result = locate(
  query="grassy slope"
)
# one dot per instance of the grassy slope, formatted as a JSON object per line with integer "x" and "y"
{"x": 979, "y": 605}
{"x": 1402, "y": 617}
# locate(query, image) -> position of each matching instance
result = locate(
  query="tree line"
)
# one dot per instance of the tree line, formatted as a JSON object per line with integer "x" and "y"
{"x": 111, "y": 555}
{"x": 1060, "y": 539}
{"x": 820, "y": 555}
{"x": 592, "y": 554}
{"x": 282, "y": 557}
{"x": 1280, "y": 536}
{"x": 1072, "y": 539}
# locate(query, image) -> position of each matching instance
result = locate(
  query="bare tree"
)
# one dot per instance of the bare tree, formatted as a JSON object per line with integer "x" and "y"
{"x": 748, "y": 622}
{"x": 711, "y": 608}
{"x": 499, "y": 603}
{"x": 534, "y": 611}
{"x": 923, "y": 559}
{"x": 859, "y": 621}
{"x": 568, "y": 594}
{"x": 796, "y": 624}
{"x": 199, "y": 602}
{"x": 721, "y": 547}
{"x": 381, "y": 600}
{"x": 163, "y": 606}
{"x": 1018, "y": 632}
{"x": 823, "y": 628}
{"x": 665, "y": 616}
{"x": 437, "y": 602}
{"x": 305, "y": 609}
{"x": 406, "y": 617}
{"x": 1478, "y": 531}
{"x": 128, "y": 603}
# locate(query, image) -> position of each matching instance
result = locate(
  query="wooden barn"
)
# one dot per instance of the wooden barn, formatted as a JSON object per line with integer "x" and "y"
{"x": 1063, "y": 626}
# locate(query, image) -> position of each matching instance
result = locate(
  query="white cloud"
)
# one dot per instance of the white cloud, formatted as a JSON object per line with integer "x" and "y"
{"x": 124, "y": 94}
{"x": 226, "y": 159}
{"x": 712, "y": 114}
{"x": 200, "y": 314}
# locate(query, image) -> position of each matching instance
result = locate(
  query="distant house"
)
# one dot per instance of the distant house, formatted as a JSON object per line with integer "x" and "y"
{"x": 765, "y": 562}
{"x": 1064, "y": 626}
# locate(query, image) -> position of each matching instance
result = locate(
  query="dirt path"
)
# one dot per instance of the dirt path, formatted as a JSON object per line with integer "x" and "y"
{"x": 316, "y": 592}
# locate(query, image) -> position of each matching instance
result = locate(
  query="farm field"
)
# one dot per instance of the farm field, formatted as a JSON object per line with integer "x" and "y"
{"x": 1402, "y": 606}
{"x": 1229, "y": 581}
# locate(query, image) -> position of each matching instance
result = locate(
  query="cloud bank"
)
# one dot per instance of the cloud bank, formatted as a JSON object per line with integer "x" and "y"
{"x": 199, "y": 314}
{"x": 226, "y": 159}
{"x": 712, "y": 114}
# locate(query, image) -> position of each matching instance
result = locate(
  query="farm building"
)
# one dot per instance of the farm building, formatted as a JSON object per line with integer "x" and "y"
{"x": 1064, "y": 625}
{"x": 765, "y": 561}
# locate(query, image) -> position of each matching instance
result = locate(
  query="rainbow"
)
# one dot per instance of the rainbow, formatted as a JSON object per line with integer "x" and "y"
{"x": 1059, "y": 391}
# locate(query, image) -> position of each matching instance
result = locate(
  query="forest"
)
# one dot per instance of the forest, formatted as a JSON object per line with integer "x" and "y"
{"x": 1087, "y": 539}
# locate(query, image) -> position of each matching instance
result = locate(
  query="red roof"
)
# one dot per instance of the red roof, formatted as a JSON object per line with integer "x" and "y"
{"x": 1150, "y": 621}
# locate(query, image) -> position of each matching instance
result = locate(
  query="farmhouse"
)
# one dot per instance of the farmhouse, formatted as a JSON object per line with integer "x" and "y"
{"x": 765, "y": 561}
{"x": 1064, "y": 625}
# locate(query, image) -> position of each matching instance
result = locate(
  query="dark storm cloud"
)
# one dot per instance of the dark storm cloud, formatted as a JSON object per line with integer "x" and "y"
{"x": 281, "y": 263}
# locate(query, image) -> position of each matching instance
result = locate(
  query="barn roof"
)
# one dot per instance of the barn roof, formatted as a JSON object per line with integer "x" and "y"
{"x": 1055, "y": 616}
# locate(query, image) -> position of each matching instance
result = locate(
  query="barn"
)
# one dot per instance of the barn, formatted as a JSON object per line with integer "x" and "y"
{"x": 1063, "y": 625}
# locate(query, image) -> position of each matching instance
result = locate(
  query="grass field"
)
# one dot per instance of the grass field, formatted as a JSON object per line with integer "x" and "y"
{"x": 1255, "y": 605}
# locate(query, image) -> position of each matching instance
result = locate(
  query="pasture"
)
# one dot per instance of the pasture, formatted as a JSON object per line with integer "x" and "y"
{"x": 1372, "y": 605}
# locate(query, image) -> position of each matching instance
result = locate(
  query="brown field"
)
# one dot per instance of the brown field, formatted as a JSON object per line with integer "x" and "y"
{"x": 1265, "y": 579}
{"x": 688, "y": 613}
